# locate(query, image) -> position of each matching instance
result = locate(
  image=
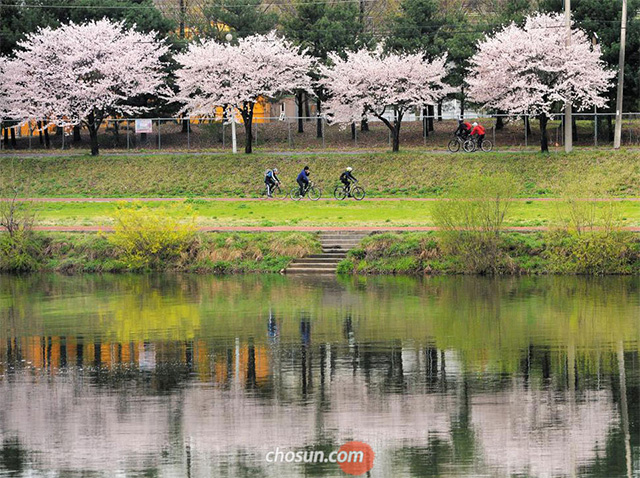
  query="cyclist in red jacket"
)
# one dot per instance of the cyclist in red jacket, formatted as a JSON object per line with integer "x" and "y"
{"x": 480, "y": 131}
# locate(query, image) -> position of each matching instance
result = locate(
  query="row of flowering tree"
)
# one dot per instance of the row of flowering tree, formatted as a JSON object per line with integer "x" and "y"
{"x": 81, "y": 74}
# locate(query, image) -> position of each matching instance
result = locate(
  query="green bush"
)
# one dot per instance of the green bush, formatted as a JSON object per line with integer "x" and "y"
{"x": 345, "y": 267}
{"x": 20, "y": 252}
{"x": 472, "y": 221}
{"x": 593, "y": 253}
{"x": 150, "y": 239}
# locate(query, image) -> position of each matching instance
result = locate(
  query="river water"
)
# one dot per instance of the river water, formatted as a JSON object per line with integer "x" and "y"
{"x": 197, "y": 376}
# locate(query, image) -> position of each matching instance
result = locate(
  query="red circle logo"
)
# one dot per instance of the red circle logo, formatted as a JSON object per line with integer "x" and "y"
{"x": 355, "y": 457}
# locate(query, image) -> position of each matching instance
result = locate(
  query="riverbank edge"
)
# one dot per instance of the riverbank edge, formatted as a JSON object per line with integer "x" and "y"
{"x": 386, "y": 253}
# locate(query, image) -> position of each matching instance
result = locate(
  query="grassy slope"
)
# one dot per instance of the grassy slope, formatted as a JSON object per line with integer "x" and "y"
{"x": 306, "y": 213}
{"x": 412, "y": 174}
{"x": 220, "y": 253}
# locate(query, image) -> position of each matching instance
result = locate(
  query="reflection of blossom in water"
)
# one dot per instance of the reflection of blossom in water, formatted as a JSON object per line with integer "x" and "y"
{"x": 542, "y": 432}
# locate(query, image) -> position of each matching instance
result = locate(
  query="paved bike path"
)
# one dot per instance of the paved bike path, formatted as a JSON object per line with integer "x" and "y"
{"x": 227, "y": 199}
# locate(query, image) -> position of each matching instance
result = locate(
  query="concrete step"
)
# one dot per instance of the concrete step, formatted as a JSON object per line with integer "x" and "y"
{"x": 310, "y": 270}
{"x": 317, "y": 260}
{"x": 329, "y": 255}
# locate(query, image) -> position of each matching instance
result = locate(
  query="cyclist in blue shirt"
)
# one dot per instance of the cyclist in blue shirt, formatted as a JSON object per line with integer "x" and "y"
{"x": 303, "y": 180}
{"x": 271, "y": 180}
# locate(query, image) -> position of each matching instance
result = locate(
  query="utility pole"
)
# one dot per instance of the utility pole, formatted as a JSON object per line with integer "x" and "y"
{"x": 617, "y": 139}
{"x": 568, "y": 122}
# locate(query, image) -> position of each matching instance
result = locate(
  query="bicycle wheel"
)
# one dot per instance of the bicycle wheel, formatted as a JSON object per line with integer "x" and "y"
{"x": 295, "y": 194}
{"x": 469, "y": 146}
{"x": 358, "y": 193}
{"x": 339, "y": 193}
{"x": 277, "y": 193}
{"x": 487, "y": 146}
{"x": 314, "y": 193}
{"x": 454, "y": 146}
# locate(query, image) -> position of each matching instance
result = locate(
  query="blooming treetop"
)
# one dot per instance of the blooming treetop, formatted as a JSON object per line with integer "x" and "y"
{"x": 72, "y": 73}
{"x": 528, "y": 70}
{"x": 370, "y": 83}
{"x": 220, "y": 74}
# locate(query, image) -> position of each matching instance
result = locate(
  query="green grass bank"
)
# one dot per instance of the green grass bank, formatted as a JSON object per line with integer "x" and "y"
{"x": 216, "y": 253}
{"x": 556, "y": 252}
{"x": 405, "y": 174}
{"x": 408, "y": 253}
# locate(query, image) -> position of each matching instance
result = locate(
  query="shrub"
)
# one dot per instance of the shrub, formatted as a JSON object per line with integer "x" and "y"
{"x": 471, "y": 222}
{"x": 593, "y": 252}
{"x": 20, "y": 252}
{"x": 579, "y": 213}
{"x": 149, "y": 239}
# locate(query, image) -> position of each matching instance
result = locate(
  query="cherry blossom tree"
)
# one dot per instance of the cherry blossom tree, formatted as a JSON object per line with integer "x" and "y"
{"x": 83, "y": 73}
{"x": 530, "y": 70}
{"x": 258, "y": 67}
{"x": 373, "y": 84}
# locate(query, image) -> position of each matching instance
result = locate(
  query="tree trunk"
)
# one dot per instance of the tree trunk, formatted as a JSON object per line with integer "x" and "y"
{"x": 432, "y": 111}
{"x": 353, "y": 131}
{"x": 462, "y": 101}
{"x": 307, "y": 110}
{"x": 247, "y": 117}
{"x": 394, "y": 127}
{"x": 185, "y": 126}
{"x": 76, "y": 134}
{"x": 319, "y": 119}
{"x": 13, "y": 138}
{"x": 299, "y": 101}
{"x": 610, "y": 127}
{"x": 39, "y": 124}
{"x": 527, "y": 124}
{"x": 396, "y": 137}
{"x": 499, "y": 123}
{"x": 92, "y": 126}
{"x": 439, "y": 111}
{"x": 364, "y": 125}
{"x": 425, "y": 124}
{"x": 544, "y": 140}
{"x": 47, "y": 141}
{"x": 6, "y": 135}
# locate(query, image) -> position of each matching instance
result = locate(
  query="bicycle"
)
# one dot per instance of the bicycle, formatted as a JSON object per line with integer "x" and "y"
{"x": 276, "y": 192}
{"x": 456, "y": 143}
{"x": 356, "y": 192}
{"x": 471, "y": 145}
{"x": 310, "y": 190}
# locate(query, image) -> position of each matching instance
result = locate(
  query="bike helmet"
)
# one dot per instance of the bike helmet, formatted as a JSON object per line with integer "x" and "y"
{"x": 349, "y": 168}
{"x": 474, "y": 124}
{"x": 275, "y": 170}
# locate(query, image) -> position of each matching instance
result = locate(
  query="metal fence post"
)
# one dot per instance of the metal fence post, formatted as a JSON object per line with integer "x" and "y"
{"x": 289, "y": 132}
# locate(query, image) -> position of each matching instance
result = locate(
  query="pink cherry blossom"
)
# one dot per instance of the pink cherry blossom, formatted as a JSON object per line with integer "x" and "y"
{"x": 259, "y": 67}
{"x": 531, "y": 70}
{"x": 373, "y": 84}
{"x": 83, "y": 73}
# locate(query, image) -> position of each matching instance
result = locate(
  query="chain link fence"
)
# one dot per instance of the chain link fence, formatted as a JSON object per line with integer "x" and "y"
{"x": 316, "y": 134}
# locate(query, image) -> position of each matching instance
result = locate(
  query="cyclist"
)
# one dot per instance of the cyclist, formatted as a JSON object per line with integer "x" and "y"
{"x": 347, "y": 179}
{"x": 271, "y": 180}
{"x": 480, "y": 131}
{"x": 464, "y": 128}
{"x": 303, "y": 180}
